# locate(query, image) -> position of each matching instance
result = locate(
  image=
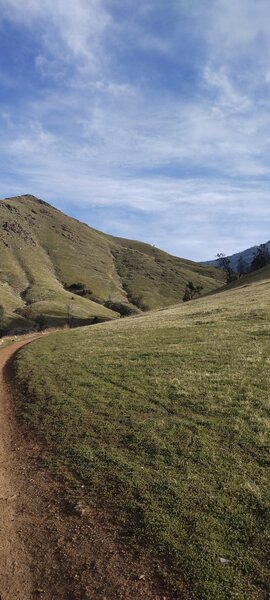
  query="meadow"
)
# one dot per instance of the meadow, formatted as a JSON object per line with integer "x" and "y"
{"x": 164, "y": 418}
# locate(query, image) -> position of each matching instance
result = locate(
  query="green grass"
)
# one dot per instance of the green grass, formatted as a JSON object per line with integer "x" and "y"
{"x": 259, "y": 276}
{"x": 152, "y": 278}
{"x": 7, "y": 341}
{"x": 43, "y": 252}
{"x": 165, "y": 419}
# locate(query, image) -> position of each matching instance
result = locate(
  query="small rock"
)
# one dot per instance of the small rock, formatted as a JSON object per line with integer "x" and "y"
{"x": 141, "y": 578}
{"x": 224, "y": 561}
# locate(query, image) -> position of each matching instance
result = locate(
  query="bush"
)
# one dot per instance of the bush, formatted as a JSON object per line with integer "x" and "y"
{"x": 41, "y": 322}
{"x": 125, "y": 310}
{"x": 261, "y": 258}
{"x": 192, "y": 291}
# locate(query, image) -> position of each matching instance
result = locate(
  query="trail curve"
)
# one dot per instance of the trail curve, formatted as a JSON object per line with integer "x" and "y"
{"x": 15, "y": 572}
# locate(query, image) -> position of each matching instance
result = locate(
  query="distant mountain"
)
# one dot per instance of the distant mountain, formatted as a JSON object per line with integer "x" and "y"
{"x": 56, "y": 270}
{"x": 247, "y": 255}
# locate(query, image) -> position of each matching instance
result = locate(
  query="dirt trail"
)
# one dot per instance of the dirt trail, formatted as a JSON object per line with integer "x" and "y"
{"x": 48, "y": 550}
{"x": 15, "y": 575}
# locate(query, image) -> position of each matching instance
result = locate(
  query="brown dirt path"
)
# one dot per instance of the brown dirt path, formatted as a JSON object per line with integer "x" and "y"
{"x": 49, "y": 551}
{"x": 15, "y": 574}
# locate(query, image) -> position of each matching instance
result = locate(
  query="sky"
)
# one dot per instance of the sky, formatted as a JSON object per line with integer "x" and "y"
{"x": 148, "y": 120}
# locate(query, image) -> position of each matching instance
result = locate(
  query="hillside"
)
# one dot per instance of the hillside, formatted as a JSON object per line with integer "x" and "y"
{"x": 165, "y": 422}
{"x": 259, "y": 276}
{"x": 46, "y": 254}
{"x": 246, "y": 255}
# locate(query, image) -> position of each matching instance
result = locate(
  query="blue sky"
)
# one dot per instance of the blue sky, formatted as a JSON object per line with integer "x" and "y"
{"x": 146, "y": 119}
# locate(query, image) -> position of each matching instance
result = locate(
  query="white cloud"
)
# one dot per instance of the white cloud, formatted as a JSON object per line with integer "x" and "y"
{"x": 192, "y": 218}
{"x": 228, "y": 97}
{"x": 236, "y": 26}
{"x": 101, "y": 137}
{"x": 76, "y": 24}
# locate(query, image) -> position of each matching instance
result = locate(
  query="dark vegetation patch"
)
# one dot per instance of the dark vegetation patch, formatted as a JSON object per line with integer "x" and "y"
{"x": 11, "y": 227}
{"x": 123, "y": 308}
{"x": 80, "y": 289}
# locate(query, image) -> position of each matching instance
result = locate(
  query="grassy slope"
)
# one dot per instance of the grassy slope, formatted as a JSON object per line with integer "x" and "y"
{"x": 259, "y": 276}
{"x": 42, "y": 249}
{"x": 153, "y": 278}
{"x": 165, "y": 418}
{"x": 28, "y": 230}
{"x": 256, "y": 276}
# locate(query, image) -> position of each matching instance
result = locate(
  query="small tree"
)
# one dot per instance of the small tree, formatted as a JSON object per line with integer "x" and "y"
{"x": 225, "y": 264}
{"x": 261, "y": 258}
{"x": 41, "y": 322}
{"x": 242, "y": 267}
{"x": 192, "y": 291}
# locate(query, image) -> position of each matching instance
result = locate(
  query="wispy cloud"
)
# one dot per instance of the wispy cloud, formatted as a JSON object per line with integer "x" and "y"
{"x": 78, "y": 25}
{"x": 157, "y": 114}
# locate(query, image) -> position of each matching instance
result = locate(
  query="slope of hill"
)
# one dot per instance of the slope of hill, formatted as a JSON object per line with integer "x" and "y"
{"x": 255, "y": 276}
{"x": 46, "y": 254}
{"x": 260, "y": 275}
{"x": 247, "y": 256}
{"x": 165, "y": 422}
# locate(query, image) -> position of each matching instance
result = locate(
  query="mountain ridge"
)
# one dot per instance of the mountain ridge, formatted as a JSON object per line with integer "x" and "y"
{"x": 246, "y": 254}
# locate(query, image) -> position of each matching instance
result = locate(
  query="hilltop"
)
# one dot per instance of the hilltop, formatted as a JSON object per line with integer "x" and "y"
{"x": 56, "y": 270}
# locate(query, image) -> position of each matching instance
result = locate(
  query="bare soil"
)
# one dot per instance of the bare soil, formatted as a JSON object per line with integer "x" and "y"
{"x": 47, "y": 550}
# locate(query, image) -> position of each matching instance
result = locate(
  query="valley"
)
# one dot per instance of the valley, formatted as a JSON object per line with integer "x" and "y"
{"x": 139, "y": 445}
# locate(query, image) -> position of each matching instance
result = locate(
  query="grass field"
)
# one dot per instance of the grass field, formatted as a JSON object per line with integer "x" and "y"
{"x": 165, "y": 419}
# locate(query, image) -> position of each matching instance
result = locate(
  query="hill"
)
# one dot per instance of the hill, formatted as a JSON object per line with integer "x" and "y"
{"x": 165, "y": 425}
{"x": 56, "y": 270}
{"x": 246, "y": 255}
{"x": 260, "y": 275}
